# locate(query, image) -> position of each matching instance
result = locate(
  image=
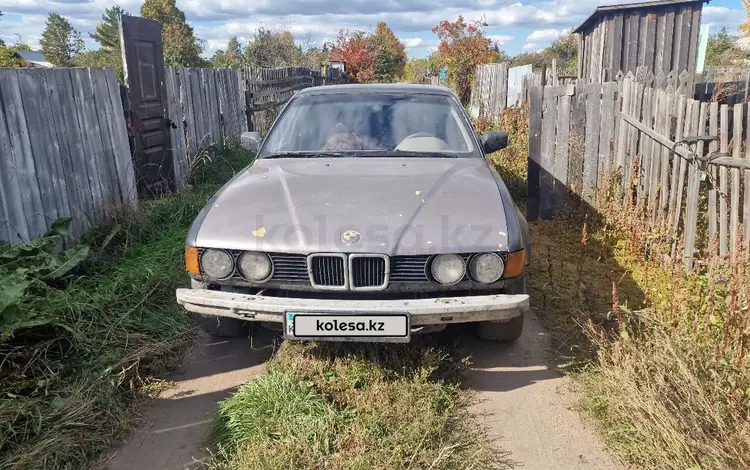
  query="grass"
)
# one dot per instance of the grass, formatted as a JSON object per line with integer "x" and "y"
{"x": 70, "y": 387}
{"x": 352, "y": 406}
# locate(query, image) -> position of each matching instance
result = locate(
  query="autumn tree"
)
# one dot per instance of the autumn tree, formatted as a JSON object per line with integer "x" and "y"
{"x": 417, "y": 69}
{"x": 461, "y": 48}
{"x": 390, "y": 54}
{"x": 181, "y": 47}
{"x": 61, "y": 43}
{"x": 564, "y": 49}
{"x": 745, "y": 27}
{"x": 357, "y": 51}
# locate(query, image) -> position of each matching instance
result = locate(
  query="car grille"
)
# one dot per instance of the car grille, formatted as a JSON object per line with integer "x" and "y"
{"x": 409, "y": 269}
{"x": 289, "y": 267}
{"x": 368, "y": 272}
{"x": 327, "y": 271}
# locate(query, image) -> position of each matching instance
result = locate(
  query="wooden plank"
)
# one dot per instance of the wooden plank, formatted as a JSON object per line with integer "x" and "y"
{"x": 713, "y": 146}
{"x": 666, "y": 122}
{"x": 591, "y": 145}
{"x": 654, "y": 151}
{"x": 659, "y": 43}
{"x": 617, "y": 35}
{"x": 643, "y": 44}
{"x": 622, "y": 131}
{"x": 561, "y": 152}
{"x": 64, "y": 166}
{"x": 746, "y": 205}
{"x": 644, "y": 144}
{"x": 104, "y": 114}
{"x": 679, "y": 23}
{"x": 609, "y": 42}
{"x": 687, "y": 20}
{"x": 577, "y": 138}
{"x": 648, "y": 59}
{"x": 676, "y": 161}
{"x": 85, "y": 209}
{"x": 694, "y": 36}
{"x": 607, "y": 132}
{"x": 632, "y": 52}
{"x": 23, "y": 154}
{"x": 723, "y": 182}
{"x": 92, "y": 142}
{"x": 686, "y": 130}
{"x": 547, "y": 157}
{"x": 735, "y": 203}
{"x": 535, "y": 150}
{"x": 668, "y": 39}
{"x": 123, "y": 158}
{"x": 179, "y": 162}
{"x": 698, "y": 127}
{"x": 17, "y": 204}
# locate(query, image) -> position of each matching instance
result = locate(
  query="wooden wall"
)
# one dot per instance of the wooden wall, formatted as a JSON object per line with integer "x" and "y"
{"x": 660, "y": 38}
{"x": 63, "y": 150}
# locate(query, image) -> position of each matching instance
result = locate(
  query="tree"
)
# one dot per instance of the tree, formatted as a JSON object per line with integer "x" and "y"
{"x": 272, "y": 48}
{"x": 108, "y": 31}
{"x": 390, "y": 54}
{"x": 181, "y": 47}
{"x": 230, "y": 58}
{"x": 60, "y": 41}
{"x": 745, "y": 27}
{"x": 356, "y": 50}
{"x": 417, "y": 69}
{"x": 462, "y": 47}
{"x": 722, "y": 50}
{"x": 565, "y": 50}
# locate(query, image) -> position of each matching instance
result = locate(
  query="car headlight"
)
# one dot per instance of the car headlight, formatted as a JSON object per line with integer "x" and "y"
{"x": 448, "y": 269}
{"x": 217, "y": 263}
{"x": 254, "y": 266}
{"x": 486, "y": 267}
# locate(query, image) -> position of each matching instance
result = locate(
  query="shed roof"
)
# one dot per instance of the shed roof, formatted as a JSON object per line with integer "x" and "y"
{"x": 35, "y": 57}
{"x": 604, "y": 9}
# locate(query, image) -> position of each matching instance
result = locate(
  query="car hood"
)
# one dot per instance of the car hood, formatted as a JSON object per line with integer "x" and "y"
{"x": 396, "y": 206}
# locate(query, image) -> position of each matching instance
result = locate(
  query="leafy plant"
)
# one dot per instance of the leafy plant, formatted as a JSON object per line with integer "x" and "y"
{"x": 33, "y": 266}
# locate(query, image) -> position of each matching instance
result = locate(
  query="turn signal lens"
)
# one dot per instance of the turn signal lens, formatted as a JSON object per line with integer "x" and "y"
{"x": 191, "y": 260}
{"x": 515, "y": 264}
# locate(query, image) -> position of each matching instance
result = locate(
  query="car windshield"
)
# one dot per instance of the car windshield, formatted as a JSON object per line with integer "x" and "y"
{"x": 371, "y": 124}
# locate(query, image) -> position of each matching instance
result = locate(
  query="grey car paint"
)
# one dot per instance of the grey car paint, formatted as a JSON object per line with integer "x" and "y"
{"x": 399, "y": 206}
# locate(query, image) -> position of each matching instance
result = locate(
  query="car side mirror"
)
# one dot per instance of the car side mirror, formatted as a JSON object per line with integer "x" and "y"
{"x": 494, "y": 141}
{"x": 251, "y": 141}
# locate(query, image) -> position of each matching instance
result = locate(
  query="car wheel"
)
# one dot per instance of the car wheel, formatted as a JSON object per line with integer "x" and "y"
{"x": 506, "y": 331}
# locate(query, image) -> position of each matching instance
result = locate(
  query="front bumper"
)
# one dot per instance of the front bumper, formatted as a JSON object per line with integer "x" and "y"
{"x": 422, "y": 311}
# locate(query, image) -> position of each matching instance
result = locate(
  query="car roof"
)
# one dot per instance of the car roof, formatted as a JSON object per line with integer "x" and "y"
{"x": 377, "y": 88}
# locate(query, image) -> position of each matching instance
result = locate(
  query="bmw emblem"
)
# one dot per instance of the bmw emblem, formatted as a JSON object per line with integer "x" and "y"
{"x": 350, "y": 237}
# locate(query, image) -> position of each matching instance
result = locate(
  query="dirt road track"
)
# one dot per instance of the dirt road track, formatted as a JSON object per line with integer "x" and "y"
{"x": 525, "y": 405}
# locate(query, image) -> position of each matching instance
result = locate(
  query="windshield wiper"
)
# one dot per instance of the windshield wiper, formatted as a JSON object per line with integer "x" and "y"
{"x": 306, "y": 155}
{"x": 409, "y": 153}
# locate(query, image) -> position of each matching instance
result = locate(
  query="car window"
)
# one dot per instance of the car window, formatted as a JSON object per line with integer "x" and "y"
{"x": 372, "y": 124}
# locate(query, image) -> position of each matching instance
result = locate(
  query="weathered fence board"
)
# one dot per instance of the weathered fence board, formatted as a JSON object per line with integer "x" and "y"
{"x": 65, "y": 153}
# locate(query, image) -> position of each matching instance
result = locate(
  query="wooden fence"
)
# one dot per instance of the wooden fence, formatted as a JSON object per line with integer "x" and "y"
{"x": 583, "y": 135}
{"x": 63, "y": 150}
{"x": 205, "y": 106}
{"x": 489, "y": 93}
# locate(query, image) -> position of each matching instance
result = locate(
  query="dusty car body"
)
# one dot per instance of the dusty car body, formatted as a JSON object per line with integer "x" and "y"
{"x": 370, "y": 214}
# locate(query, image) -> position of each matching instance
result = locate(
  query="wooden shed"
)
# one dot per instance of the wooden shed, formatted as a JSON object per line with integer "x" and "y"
{"x": 660, "y": 35}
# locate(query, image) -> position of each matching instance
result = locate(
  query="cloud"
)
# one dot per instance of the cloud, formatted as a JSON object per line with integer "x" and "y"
{"x": 413, "y": 42}
{"x": 716, "y": 17}
{"x": 544, "y": 35}
{"x": 530, "y": 46}
{"x": 500, "y": 39}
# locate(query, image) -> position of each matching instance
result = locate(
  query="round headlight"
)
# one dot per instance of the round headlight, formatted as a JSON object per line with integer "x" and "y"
{"x": 448, "y": 269}
{"x": 486, "y": 267}
{"x": 217, "y": 263}
{"x": 254, "y": 266}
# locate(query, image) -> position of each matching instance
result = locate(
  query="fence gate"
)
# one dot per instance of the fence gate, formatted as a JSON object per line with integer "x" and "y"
{"x": 148, "y": 123}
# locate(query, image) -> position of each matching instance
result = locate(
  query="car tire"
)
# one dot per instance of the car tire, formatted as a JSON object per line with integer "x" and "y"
{"x": 220, "y": 327}
{"x": 506, "y": 331}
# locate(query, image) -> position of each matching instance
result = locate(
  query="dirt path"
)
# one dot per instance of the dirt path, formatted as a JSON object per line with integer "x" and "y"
{"x": 528, "y": 408}
{"x": 525, "y": 405}
{"x": 173, "y": 430}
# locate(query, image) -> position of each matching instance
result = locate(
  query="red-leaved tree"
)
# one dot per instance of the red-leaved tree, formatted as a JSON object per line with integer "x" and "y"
{"x": 356, "y": 49}
{"x": 462, "y": 47}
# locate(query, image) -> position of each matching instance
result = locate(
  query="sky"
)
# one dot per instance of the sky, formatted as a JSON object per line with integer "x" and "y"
{"x": 515, "y": 26}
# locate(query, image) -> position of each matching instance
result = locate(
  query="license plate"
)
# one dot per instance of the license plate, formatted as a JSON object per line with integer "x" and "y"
{"x": 393, "y": 328}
